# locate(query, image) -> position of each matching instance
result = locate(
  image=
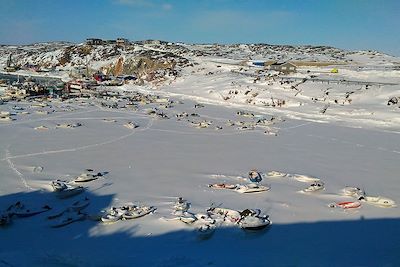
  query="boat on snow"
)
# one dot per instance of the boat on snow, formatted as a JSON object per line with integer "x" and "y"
{"x": 222, "y": 186}
{"x": 135, "y": 212}
{"x": 380, "y": 201}
{"x": 68, "y": 217}
{"x": 346, "y": 205}
{"x": 251, "y": 188}
{"x": 20, "y": 210}
{"x": 314, "y": 187}
{"x": 66, "y": 190}
{"x": 254, "y": 223}
{"x": 224, "y": 215}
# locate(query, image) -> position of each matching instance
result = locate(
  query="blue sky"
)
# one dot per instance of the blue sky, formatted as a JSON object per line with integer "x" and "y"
{"x": 348, "y": 24}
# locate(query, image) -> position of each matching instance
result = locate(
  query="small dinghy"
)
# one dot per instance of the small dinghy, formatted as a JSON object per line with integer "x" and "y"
{"x": 135, "y": 212}
{"x": 305, "y": 178}
{"x": 353, "y": 192}
{"x": 181, "y": 205}
{"x": 380, "y": 201}
{"x": 20, "y": 210}
{"x": 255, "y": 176}
{"x": 111, "y": 216}
{"x": 131, "y": 125}
{"x": 85, "y": 177}
{"x": 314, "y": 187}
{"x": 254, "y": 223}
{"x": 346, "y": 205}
{"x": 68, "y": 217}
{"x": 185, "y": 217}
{"x": 277, "y": 174}
{"x": 41, "y": 127}
{"x": 251, "y": 188}
{"x": 70, "y": 191}
{"x": 225, "y": 215}
{"x": 222, "y": 186}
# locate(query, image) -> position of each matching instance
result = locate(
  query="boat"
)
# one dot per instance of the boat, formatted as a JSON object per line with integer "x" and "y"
{"x": 70, "y": 191}
{"x": 41, "y": 127}
{"x": 305, "y": 178}
{"x": 255, "y": 176}
{"x": 137, "y": 212}
{"x": 26, "y": 212}
{"x": 222, "y": 186}
{"x": 69, "y": 217}
{"x": 314, "y": 187}
{"x": 186, "y": 217}
{"x": 254, "y": 223}
{"x": 225, "y": 215}
{"x": 59, "y": 185}
{"x": 277, "y": 174}
{"x": 380, "y": 201}
{"x": 353, "y": 192}
{"x": 251, "y": 188}
{"x": 85, "y": 177}
{"x": 346, "y": 204}
{"x": 111, "y": 216}
{"x": 131, "y": 125}
{"x": 181, "y": 205}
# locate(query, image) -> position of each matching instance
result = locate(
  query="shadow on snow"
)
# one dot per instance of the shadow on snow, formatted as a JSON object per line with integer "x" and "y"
{"x": 31, "y": 242}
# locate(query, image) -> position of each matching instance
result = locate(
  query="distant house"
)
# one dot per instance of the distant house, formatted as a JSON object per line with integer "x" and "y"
{"x": 122, "y": 42}
{"x": 285, "y": 67}
{"x": 94, "y": 41}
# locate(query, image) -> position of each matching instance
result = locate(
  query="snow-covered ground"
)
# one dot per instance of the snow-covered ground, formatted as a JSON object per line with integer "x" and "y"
{"x": 352, "y": 144}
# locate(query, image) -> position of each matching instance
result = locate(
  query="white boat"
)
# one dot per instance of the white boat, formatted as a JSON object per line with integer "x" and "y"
{"x": 41, "y": 127}
{"x": 137, "y": 212}
{"x": 131, "y": 125}
{"x": 112, "y": 215}
{"x": 222, "y": 186}
{"x": 85, "y": 177}
{"x": 380, "y": 201}
{"x": 181, "y": 205}
{"x": 185, "y": 217}
{"x": 304, "y": 178}
{"x": 70, "y": 191}
{"x": 353, "y": 192}
{"x": 224, "y": 215}
{"x": 314, "y": 187}
{"x": 254, "y": 223}
{"x": 251, "y": 188}
{"x": 277, "y": 174}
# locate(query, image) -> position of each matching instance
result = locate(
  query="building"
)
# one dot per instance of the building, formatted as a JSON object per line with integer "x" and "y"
{"x": 94, "y": 41}
{"x": 285, "y": 67}
{"x": 122, "y": 42}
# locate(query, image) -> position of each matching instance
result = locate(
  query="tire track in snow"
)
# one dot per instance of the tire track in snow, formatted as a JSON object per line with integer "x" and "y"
{"x": 148, "y": 126}
{"x": 12, "y": 166}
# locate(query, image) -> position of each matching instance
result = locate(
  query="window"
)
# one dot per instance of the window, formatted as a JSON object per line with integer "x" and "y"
{"x": 283, "y": 68}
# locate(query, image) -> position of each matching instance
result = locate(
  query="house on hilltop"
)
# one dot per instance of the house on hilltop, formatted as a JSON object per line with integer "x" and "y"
{"x": 94, "y": 41}
{"x": 285, "y": 67}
